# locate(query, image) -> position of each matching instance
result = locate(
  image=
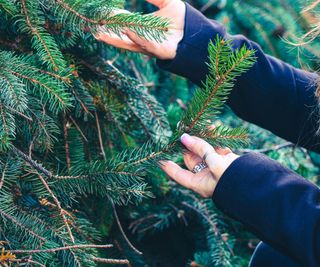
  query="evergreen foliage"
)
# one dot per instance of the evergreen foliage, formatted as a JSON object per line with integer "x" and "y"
{"x": 74, "y": 129}
{"x": 83, "y": 127}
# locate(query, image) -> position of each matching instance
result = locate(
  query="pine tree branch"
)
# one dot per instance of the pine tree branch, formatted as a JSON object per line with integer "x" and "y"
{"x": 27, "y": 262}
{"x": 86, "y": 110}
{"x": 68, "y": 8}
{"x": 35, "y": 32}
{"x": 11, "y": 88}
{"x": 5, "y": 126}
{"x": 57, "y": 202}
{"x": 212, "y": 224}
{"x": 117, "y": 123}
{"x": 20, "y": 114}
{"x": 35, "y": 81}
{"x": 53, "y": 250}
{"x": 31, "y": 162}
{"x": 110, "y": 261}
{"x": 221, "y": 80}
{"x": 15, "y": 222}
{"x": 66, "y": 80}
{"x": 42, "y": 126}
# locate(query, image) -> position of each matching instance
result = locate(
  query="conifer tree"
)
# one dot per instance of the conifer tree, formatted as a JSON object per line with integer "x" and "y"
{"x": 74, "y": 127}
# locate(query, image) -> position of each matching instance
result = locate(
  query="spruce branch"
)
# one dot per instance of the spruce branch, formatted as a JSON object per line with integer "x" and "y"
{"x": 43, "y": 42}
{"x": 9, "y": 7}
{"x": 103, "y": 19}
{"x": 224, "y": 67}
{"x": 31, "y": 162}
{"x": 110, "y": 261}
{"x": 27, "y": 261}
{"x": 59, "y": 100}
{"x": 219, "y": 82}
{"x": 73, "y": 11}
{"x": 53, "y": 250}
{"x": 21, "y": 225}
{"x": 61, "y": 211}
{"x": 13, "y": 93}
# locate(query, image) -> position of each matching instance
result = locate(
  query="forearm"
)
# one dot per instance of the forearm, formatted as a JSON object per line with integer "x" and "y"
{"x": 279, "y": 206}
{"x": 273, "y": 94}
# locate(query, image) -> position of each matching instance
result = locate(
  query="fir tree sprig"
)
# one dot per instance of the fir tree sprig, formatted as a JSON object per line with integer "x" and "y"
{"x": 42, "y": 41}
{"x": 103, "y": 18}
{"x": 225, "y": 66}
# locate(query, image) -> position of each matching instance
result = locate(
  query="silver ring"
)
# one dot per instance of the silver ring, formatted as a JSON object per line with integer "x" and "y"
{"x": 199, "y": 167}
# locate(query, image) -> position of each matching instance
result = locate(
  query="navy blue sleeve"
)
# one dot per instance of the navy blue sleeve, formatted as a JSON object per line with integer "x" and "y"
{"x": 273, "y": 94}
{"x": 266, "y": 256}
{"x": 279, "y": 206}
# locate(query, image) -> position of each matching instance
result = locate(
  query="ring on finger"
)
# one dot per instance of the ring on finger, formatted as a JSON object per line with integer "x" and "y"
{"x": 199, "y": 167}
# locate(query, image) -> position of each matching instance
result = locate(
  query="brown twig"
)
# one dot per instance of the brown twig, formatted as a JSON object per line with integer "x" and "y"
{"x": 100, "y": 136}
{"x": 78, "y": 128}
{"x": 66, "y": 144}
{"x": 110, "y": 261}
{"x": 56, "y": 201}
{"x": 4, "y": 120}
{"x": 52, "y": 250}
{"x": 3, "y": 175}
{"x": 20, "y": 114}
{"x": 31, "y": 162}
{"x": 122, "y": 231}
{"x": 27, "y": 261}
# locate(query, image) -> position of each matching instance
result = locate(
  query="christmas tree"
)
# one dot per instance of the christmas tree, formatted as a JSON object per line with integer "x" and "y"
{"x": 81, "y": 133}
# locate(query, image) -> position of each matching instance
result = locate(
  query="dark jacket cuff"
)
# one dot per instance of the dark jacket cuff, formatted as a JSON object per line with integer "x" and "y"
{"x": 198, "y": 30}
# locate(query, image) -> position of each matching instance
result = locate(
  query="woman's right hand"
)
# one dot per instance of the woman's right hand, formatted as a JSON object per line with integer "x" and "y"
{"x": 174, "y": 11}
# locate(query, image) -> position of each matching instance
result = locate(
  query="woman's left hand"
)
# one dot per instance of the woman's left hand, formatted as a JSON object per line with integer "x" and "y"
{"x": 205, "y": 181}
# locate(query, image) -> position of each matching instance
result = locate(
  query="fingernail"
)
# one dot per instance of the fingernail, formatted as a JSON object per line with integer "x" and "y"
{"x": 186, "y": 139}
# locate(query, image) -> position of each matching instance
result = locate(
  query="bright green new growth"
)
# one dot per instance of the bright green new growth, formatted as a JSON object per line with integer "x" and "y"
{"x": 225, "y": 66}
{"x": 57, "y": 110}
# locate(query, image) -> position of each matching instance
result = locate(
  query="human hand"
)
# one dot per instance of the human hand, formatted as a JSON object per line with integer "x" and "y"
{"x": 205, "y": 181}
{"x": 174, "y": 11}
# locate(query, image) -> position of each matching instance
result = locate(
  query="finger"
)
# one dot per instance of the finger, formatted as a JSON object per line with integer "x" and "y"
{"x": 116, "y": 41}
{"x": 223, "y": 150}
{"x": 197, "y": 145}
{"x": 180, "y": 175}
{"x": 191, "y": 160}
{"x": 159, "y": 3}
{"x": 142, "y": 43}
